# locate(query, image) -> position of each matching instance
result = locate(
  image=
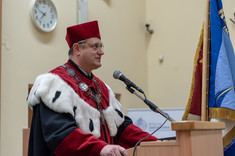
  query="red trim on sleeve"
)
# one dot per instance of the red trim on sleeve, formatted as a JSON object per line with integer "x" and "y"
{"x": 131, "y": 135}
{"x": 79, "y": 143}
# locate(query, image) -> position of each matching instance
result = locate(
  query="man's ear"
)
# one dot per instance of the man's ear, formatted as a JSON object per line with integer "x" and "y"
{"x": 76, "y": 48}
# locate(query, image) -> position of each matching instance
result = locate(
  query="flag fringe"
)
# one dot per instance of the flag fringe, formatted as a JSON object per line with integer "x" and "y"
{"x": 227, "y": 139}
{"x": 221, "y": 113}
{"x": 199, "y": 46}
{"x": 224, "y": 113}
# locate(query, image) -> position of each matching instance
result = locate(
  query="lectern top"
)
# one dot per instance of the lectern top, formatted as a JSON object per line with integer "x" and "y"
{"x": 196, "y": 125}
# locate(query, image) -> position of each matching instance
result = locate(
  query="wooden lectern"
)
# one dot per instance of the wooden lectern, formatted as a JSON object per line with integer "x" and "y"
{"x": 193, "y": 138}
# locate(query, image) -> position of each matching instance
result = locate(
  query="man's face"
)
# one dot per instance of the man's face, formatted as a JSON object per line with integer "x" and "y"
{"x": 90, "y": 54}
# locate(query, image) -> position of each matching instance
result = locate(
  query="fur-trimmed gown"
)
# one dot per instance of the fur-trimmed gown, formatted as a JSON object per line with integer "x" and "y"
{"x": 77, "y": 115}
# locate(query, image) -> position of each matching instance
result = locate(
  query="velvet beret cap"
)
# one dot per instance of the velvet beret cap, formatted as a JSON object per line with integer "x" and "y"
{"x": 82, "y": 31}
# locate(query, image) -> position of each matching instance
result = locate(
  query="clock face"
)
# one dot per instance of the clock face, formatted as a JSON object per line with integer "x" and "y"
{"x": 44, "y": 15}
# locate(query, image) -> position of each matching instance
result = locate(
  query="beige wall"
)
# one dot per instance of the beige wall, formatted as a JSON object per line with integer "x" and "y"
{"x": 229, "y": 14}
{"x": 177, "y": 26}
{"x": 26, "y": 52}
{"x": 122, "y": 24}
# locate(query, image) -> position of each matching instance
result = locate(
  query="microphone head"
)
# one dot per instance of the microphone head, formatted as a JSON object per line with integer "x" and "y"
{"x": 117, "y": 74}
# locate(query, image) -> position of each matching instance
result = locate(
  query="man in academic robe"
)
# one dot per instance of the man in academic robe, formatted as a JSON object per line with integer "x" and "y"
{"x": 74, "y": 112}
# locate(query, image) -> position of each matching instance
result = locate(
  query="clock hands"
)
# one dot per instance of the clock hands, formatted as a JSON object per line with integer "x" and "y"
{"x": 43, "y": 14}
{"x": 41, "y": 11}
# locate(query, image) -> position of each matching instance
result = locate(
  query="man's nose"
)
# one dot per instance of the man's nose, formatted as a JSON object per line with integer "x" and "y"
{"x": 100, "y": 52}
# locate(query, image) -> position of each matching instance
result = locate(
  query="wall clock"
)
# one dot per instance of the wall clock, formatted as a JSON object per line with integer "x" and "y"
{"x": 44, "y": 15}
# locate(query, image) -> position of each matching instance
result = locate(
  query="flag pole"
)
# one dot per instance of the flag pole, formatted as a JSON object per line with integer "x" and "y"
{"x": 205, "y": 65}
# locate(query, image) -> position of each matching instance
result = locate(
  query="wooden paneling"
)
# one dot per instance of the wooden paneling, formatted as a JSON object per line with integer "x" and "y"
{"x": 26, "y": 132}
{"x": 30, "y": 112}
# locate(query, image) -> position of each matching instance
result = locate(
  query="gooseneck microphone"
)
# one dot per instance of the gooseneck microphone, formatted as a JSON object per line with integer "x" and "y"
{"x": 118, "y": 75}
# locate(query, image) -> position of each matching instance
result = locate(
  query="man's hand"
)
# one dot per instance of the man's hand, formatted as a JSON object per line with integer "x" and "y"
{"x": 113, "y": 150}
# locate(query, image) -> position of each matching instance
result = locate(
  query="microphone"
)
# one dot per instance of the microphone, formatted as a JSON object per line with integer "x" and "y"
{"x": 118, "y": 75}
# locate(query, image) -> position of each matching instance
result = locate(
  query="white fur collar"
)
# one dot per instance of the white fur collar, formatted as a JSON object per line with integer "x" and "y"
{"x": 60, "y": 97}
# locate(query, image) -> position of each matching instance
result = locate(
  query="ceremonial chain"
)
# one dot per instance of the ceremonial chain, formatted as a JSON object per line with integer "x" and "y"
{"x": 96, "y": 97}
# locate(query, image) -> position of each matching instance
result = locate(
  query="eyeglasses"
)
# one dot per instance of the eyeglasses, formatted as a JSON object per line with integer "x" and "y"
{"x": 96, "y": 46}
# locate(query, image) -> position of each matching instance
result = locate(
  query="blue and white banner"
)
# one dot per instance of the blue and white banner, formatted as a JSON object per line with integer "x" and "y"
{"x": 222, "y": 75}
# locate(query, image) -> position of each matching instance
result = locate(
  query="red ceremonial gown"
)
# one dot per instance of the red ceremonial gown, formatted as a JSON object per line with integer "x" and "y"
{"x": 76, "y": 114}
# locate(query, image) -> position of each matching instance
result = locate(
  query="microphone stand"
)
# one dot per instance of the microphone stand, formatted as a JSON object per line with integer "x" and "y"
{"x": 150, "y": 104}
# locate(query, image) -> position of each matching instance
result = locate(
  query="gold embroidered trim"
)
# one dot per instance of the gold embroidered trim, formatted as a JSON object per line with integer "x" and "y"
{"x": 229, "y": 137}
{"x": 188, "y": 106}
{"x": 222, "y": 113}
{"x": 224, "y": 93}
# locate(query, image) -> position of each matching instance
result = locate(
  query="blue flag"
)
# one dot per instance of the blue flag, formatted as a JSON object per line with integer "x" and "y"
{"x": 222, "y": 74}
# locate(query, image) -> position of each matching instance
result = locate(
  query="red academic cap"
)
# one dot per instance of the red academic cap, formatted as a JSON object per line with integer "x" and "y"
{"x": 82, "y": 31}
